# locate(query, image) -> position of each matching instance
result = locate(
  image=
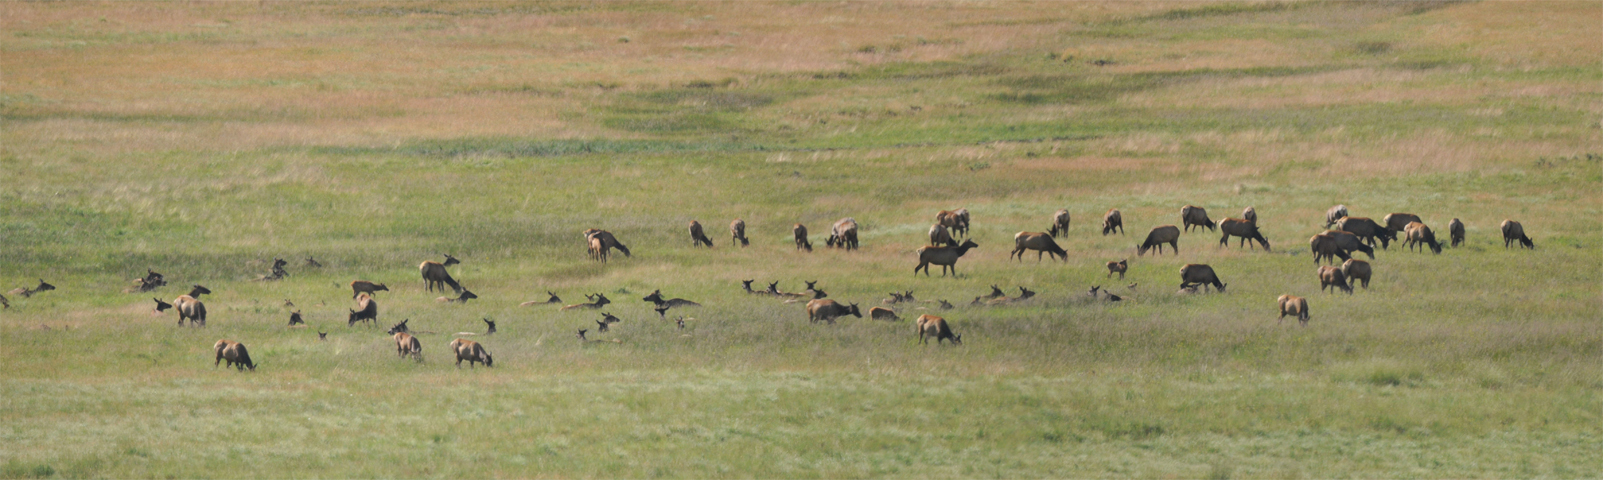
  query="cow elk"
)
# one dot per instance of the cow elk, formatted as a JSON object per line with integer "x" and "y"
{"x": 363, "y": 286}
{"x": 1250, "y": 214}
{"x": 367, "y": 311}
{"x": 1367, "y": 230}
{"x": 596, "y": 301}
{"x": 234, "y": 353}
{"x": 1350, "y": 243}
{"x": 1356, "y": 270}
{"x": 408, "y": 345}
{"x": 940, "y": 237}
{"x": 843, "y": 234}
{"x": 930, "y": 326}
{"x": 435, "y": 276}
{"x": 1118, "y": 267}
{"x": 956, "y": 220}
{"x": 1169, "y": 234}
{"x": 1455, "y": 232}
{"x": 737, "y": 230}
{"x": 697, "y": 236}
{"x": 1335, "y": 214}
{"x": 1420, "y": 235}
{"x": 1060, "y": 224}
{"x": 879, "y": 313}
{"x": 1324, "y": 246}
{"x": 1112, "y": 221}
{"x": 1295, "y": 306}
{"x": 1332, "y": 278}
{"x": 295, "y": 318}
{"x": 29, "y": 292}
{"x": 1512, "y": 232}
{"x": 800, "y": 232}
{"x": 1040, "y": 242}
{"x": 946, "y": 257}
{"x": 471, "y": 351}
{"x": 190, "y": 307}
{"x": 1246, "y": 229}
{"x": 828, "y": 310}
{"x": 1398, "y": 222}
{"x": 1194, "y": 216}
{"x": 1196, "y": 274}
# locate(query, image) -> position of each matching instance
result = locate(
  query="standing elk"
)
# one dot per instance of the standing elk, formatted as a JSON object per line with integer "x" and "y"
{"x": 940, "y": 237}
{"x": 1060, "y": 223}
{"x": 363, "y": 286}
{"x": 234, "y": 353}
{"x": 1246, "y": 229}
{"x": 697, "y": 236}
{"x": 471, "y": 351}
{"x": 1335, "y": 214}
{"x": 1367, "y": 230}
{"x": 1040, "y": 242}
{"x": 737, "y": 230}
{"x": 368, "y": 311}
{"x": 295, "y": 318}
{"x": 1118, "y": 267}
{"x": 843, "y": 234}
{"x": 596, "y": 301}
{"x": 1355, "y": 270}
{"x": 936, "y": 327}
{"x": 828, "y": 310}
{"x": 190, "y": 307}
{"x": 1111, "y": 221}
{"x": 1455, "y": 232}
{"x": 608, "y": 241}
{"x": 406, "y": 344}
{"x": 1295, "y": 306}
{"x": 1196, "y": 274}
{"x": 1194, "y": 216}
{"x": 1512, "y": 231}
{"x": 1250, "y": 214}
{"x": 1332, "y": 278}
{"x": 1350, "y": 243}
{"x": 1324, "y": 246}
{"x": 946, "y": 257}
{"x": 1398, "y": 222}
{"x": 1420, "y": 236}
{"x": 800, "y": 232}
{"x": 435, "y": 276}
{"x": 597, "y": 249}
{"x": 1169, "y": 234}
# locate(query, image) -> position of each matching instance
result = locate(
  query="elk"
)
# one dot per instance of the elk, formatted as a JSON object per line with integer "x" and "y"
{"x": 1040, "y": 242}
{"x": 1118, "y": 267}
{"x": 698, "y": 237}
{"x": 962, "y": 222}
{"x": 234, "y": 353}
{"x": 1355, "y": 270}
{"x": 406, "y": 344}
{"x": 737, "y": 230}
{"x": 956, "y": 220}
{"x": 310, "y": 262}
{"x": 596, "y": 301}
{"x": 1197, "y": 274}
{"x": 1194, "y": 216}
{"x": 190, "y": 308}
{"x": 800, "y": 232}
{"x": 607, "y": 242}
{"x": 1112, "y": 221}
{"x": 1060, "y": 223}
{"x": 662, "y": 311}
{"x": 1350, "y": 243}
{"x": 1331, "y": 277}
{"x": 471, "y": 351}
{"x": 1335, "y": 214}
{"x": 1455, "y": 232}
{"x": 1169, "y": 234}
{"x": 322, "y": 336}
{"x": 1420, "y": 235}
{"x": 295, "y": 318}
{"x": 1024, "y": 294}
{"x": 1295, "y": 306}
{"x": 828, "y": 310}
{"x": 162, "y": 306}
{"x": 368, "y": 311}
{"x": 933, "y": 326}
{"x": 29, "y": 292}
{"x": 656, "y": 298}
{"x": 946, "y": 257}
{"x": 553, "y": 299}
{"x": 1250, "y": 214}
{"x": 491, "y": 324}
{"x": 597, "y": 249}
{"x": 435, "y": 276}
{"x": 746, "y": 285}
{"x": 151, "y": 281}
{"x": 363, "y": 286}
{"x": 1398, "y": 222}
{"x": 843, "y": 234}
{"x": 1324, "y": 246}
{"x": 1367, "y": 230}
{"x": 1512, "y": 231}
{"x": 898, "y": 298}
{"x": 463, "y": 298}
{"x": 940, "y": 237}
{"x": 1246, "y": 229}
{"x": 878, "y": 313}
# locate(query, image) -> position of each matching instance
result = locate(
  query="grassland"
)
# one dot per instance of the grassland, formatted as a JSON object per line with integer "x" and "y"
{"x": 204, "y": 140}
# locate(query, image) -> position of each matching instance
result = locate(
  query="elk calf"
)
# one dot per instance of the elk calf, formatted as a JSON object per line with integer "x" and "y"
{"x": 471, "y": 351}
{"x": 737, "y": 230}
{"x": 946, "y": 257}
{"x": 1250, "y": 214}
{"x": 800, "y": 232}
{"x": 843, "y": 234}
{"x": 1118, "y": 267}
{"x": 1355, "y": 270}
{"x": 1040, "y": 242}
{"x": 940, "y": 237}
{"x": 1334, "y": 214}
{"x": 933, "y": 326}
{"x": 1455, "y": 232}
{"x": 1295, "y": 306}
{"x": 1512, "y": 231}
{"x": 1112, "y": 221}
{"x": 828, "y": 310}
{"x": 1060, "y": 223}
{"x": 234, "y": 353}
{"x": 878, "y": 313}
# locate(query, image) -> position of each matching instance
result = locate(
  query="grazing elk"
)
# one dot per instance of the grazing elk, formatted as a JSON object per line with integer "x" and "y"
{"x": 295, "y": 318}
{"x": 1118, "y": 267}
{"x": 1194, "y": 216}
{"x": 936, "y": 327}
{"x": 800, "y": 232}
{"x": 1250, "y": 214}
{"x": 1060, "y": 224}
{"x": 234, "y": 353}
{"x": 435, "y": 276}
{"x": 697, "y": 236}
{"x": 1246, "y": 229}
{"x": 1295, "y": 306}
{"x": 471, "y": 351}
{"x": 1332, "y": 278}
{"x": 843, "y": 234}
{"x": 1512, "y": 231}
{"x": 368, "y": 311}
{"x": 1040, "y": 242}
{"x": 1455, "y": 232}
{"x": 1355, "y": 270}
{"x": 1367, "y": 230}
{"x": 1398, "y": 222}
{"x": 553, "y": 299}
{"x": 29, "y": 292}
{"x": 956, "y": 220}
{"x": 828, "y": 310}
{"x": 1325, "y": 246}
{"x": 1112, "y": 221}
{"x": 1350, "y": 243}
{"x": 1169, "y": 234}
{"x": 1420, "y": 235}
{"x": 190, "y": 307}
{"x": 944, "y": 305}
{"x": 940, "y": 237}
{"x": 596, "y": 301}
{"x": 406, "y": 344}
{"x": 1197, "y": 274}
{"x": 463, "y": 298}
{"x": 737, "y": 230}
{"x": 363, "y": 286}
{"x": 656, "y": 298}
{"x": 607, "y": 241}
{"x": 946, "y": 257}
{"x": 878, "y": 313}
{"x": 1335, "y": 214}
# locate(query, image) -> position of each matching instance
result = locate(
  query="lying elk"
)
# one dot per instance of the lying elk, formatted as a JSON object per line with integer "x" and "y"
{"x": 1246, "y": 229}
{"x": 1112, "y": 221}
{"x": 697, "y": 236}
{"x": 1169, "y": 234}
{"x": 1335, "y": 214}
{"x": 1367, "y": 230}
{"x": 1040, "y": 242}
{"x": 940, "y": 237}
{"x": 596, "y": 301}
{"x": 828, "y": 310}
{"x": 435, "y": 276}
{"x": 800, "y": 232}
{"x": 234, "y": 353}
{"x": 1455, "y": 232}
{"x": 553, "y": 299}
{"x": 463, "y": 298}
{"x": 1024, "y": 294}
{"x": 656, "y": 298}
{"x": 1198, "y": 274}
{"x": 1060, "y": 224}
{"x": 295, "y": 318}
{"x": 1118, "y": 267}
{"x": 1356, "y": 270}
{"x": 1194, "y": 216}
{"x": 946, "y": 257}
{"x": 936, "y": 327}
{"x": 1295, "y": 306}
{"x": 368, "y": 311}
{"x": 737, "y": 230}
{"x": 879, "y": 313}
{"x": 843, "y": 234}
{"x": 1332, "y": 277}
{"x": 1420, "y": 235}
{"x": 606, "y": 241}
{"x": 1325, "y": 246}
{"x": 29, "y": 292}
{"x": 359, "y": 287}
{"x": 1512, "y": 231}
{"x": 406, "y": 344}
{"x": 471, "y": 351}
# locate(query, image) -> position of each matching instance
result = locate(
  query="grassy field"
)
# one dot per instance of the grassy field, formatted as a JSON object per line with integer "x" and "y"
{"x": 205, "y": 140}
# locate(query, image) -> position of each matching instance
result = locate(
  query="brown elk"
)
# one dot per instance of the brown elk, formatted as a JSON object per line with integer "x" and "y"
{"x": 828, "y": 310}
{"x": 843, "y": 234}
{"x": 1246, "y": 229}
{"x": 151, "y": 281}
{"x": 406, "y": 344}
{"x": 1512, "y": 231}
{"x": 1355, "y": 270}
{"x": 1024, "y": 294}
{"x": 1112, "y": 221}
{"x": 940, "y": 237}
{"x": 1398, "y": 222}
{"x": 697, "y": 236}
{"x": 946, "y": 257}
{"x": 656, "y": 298}
{"x": 1324, "y": 246}
{"x": 800, "y": 232}
{"x": 1420, "y": 235}
{"x": 608, "y": 241}
{"x": 161, "y": 306}
{"x": 462, "y": 298}
{"x": 554, "y": 299}
{"x": 295, "y": 318}
{"x": 1040, "y": 242}
{"x": 234, "y": 353}
{"x": 363, "y": 286}
{"x": 1335, "y": 214}
{"x": 1060, "y": 223}
{"x": 995, "y": 293}
{"x": 596, "y": 301}
{"x": 1194, "y": 216}
{"x": 1295, "y": 306}
{"x": 737, "y": 230}
{"x": 1197, "y": 274}
{"x": 471, "y": 351}
{"x": 956, "y": 220}
{"x": 1350, "y": 243}
{"x": 1332, "y": 278}
{"x": 1250, "y": 214}
{"x": 1367, "y": 230}
{"x": 190, "y": 307}
{"x": 1169, "y": 234}
{"x": 1455, "y": 232}
{"x": 368, "y": 311}
{"x": 29, "y": 292}
{"x": 1118, "y": 267}
{"x": 878, "y": 313}
{"x": 936, "y": 327}
{"x": 435, "y": 276}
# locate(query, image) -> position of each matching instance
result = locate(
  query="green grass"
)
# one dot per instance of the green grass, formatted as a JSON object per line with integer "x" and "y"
{"x": 511, "y": 139}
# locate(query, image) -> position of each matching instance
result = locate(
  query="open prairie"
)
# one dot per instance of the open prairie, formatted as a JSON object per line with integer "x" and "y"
{"x": 204, "y": 140}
